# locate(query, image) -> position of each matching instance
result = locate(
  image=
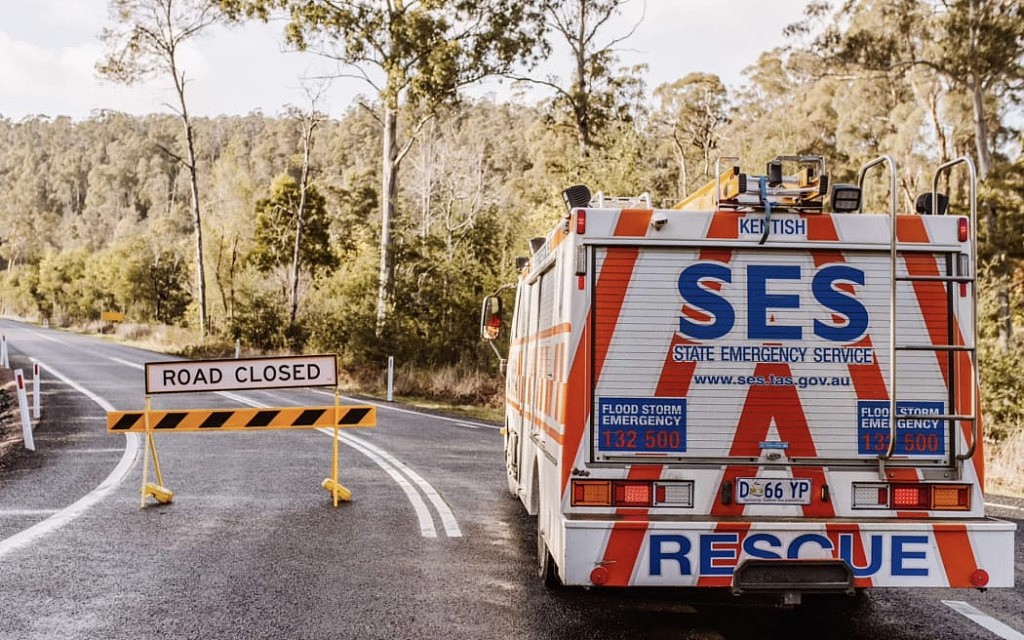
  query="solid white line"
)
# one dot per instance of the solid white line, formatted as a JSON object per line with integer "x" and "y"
{"x": 983, "y": 619}
{"x": 1003, "y": 506}
{"x": 451, "y": 527}
{"x": 394, "y": 468}
{"x": 26, "y": 512}
{"x": 69, "y": 513}
{"x": 426, "y": 521}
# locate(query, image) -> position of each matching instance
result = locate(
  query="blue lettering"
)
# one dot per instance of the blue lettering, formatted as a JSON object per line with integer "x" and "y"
{"x": 794, "y": 547}
{"x": 708, "y": 553}
{"x": 874, "y": 556}
{"x": 657, "y": 554}
{"x": 751, "y": 549}
{"x": 899, "y": 555}
{"x": 762, "y": 305}
{"x": 840, "y": 302}
{"x": 760, "y": 301}
{"x": 707, "y": 300}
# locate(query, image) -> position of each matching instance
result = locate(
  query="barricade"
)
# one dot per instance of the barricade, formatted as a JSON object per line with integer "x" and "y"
{"x": 192, "y": 376}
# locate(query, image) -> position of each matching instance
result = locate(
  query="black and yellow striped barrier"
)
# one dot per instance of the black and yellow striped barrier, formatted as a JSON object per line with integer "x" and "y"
{"x": 242, "y": 419}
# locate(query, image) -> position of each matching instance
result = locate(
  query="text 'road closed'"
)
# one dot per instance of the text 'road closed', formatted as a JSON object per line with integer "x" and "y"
{"x": 261, "y": 373}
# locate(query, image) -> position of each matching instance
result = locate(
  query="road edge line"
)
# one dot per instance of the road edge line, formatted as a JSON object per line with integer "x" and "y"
{"x": 77, "y": 508}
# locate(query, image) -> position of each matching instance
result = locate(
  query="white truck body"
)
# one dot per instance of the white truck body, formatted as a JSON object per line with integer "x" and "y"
{"x": 689, "y": 406}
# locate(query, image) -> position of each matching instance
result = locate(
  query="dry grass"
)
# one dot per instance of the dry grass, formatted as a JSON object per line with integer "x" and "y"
{"x": 449, "y": 385}
{"x": 1004, "y": 465}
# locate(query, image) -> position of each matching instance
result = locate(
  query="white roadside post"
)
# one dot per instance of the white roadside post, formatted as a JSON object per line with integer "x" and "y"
{"x": 391, "y": 378}
{"x": 35, "y": 390}
{"x": 4, "y": 362}
{"x": 26, "y": 423}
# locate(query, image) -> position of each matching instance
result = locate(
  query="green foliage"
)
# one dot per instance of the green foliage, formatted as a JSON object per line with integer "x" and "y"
{"x": 277, "y": 217}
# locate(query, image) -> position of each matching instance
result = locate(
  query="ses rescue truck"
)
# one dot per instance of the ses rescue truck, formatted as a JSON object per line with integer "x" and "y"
{"x": 703, "y": 396}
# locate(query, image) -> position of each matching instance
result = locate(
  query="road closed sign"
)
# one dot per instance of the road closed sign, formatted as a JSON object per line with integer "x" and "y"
{"x": 234, "y": 375}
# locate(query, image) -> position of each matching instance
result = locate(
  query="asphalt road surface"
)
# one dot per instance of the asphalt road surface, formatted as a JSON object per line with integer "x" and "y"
{"x": 431, "y": 546}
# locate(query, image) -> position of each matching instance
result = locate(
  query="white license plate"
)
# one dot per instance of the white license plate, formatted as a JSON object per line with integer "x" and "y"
{"x": 773, "y": 491}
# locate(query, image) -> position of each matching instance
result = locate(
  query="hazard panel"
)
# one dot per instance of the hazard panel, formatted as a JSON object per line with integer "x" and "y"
{"x": 725, "y": 355}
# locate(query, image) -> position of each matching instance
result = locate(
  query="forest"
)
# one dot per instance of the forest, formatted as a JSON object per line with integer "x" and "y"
{"x": 376, "y": 231}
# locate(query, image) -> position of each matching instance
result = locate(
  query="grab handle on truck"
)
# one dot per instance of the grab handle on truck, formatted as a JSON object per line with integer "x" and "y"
{"x": 887, "y": 454}
{"x": 973, "y": 231}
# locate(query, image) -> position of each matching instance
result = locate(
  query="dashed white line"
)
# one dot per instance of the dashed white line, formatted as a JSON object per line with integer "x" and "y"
{"x": 980, "y": 617}
{"x": 69, "y": 513}
{"x": 127, "y": 363}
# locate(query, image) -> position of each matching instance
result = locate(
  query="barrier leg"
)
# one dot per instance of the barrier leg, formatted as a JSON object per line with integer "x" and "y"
{"x": 338, "y": 492}
{"x": 159, "y": 493}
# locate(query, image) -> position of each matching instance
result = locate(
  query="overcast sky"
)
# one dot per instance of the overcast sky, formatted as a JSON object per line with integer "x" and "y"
{"x": 49, "y": 48}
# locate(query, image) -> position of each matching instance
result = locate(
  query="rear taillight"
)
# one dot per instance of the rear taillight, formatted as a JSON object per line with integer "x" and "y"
{"x": 952, "y": 497}
{"x": 962, "y": 230}
{"x": 591, "y": 493}
{"x": 912, "y": 496}
{"x": 581, "y": 221}
{"x": 632, "y": 493}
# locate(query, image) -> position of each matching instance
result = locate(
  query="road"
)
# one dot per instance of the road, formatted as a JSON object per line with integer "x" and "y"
{"x": 431, "y": 545}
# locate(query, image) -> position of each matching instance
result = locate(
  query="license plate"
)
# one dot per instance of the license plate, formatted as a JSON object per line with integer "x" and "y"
{"x": 773, "y": 491}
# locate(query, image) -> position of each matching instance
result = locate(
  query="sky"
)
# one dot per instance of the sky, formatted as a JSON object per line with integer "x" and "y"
{"x": 49, "y": 49}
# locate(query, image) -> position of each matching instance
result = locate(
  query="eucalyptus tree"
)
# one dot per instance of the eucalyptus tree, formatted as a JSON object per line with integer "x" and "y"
{"x": 693, "y": 109}
{"x": 148, "y": 41}
{"x": 593, "y": 95}
{"x": 410, "y": 53}
{"x": 973, "y": 47}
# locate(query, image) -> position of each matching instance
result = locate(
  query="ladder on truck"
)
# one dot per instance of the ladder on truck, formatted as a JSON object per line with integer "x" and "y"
{"x": 969, "y": 348}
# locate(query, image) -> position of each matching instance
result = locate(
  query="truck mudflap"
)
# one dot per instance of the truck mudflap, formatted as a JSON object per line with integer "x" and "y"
{"x": 949, "y": 553}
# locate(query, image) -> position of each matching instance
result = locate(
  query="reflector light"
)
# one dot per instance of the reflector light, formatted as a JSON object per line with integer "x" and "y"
{"x": 591, "y": 493}
{"x": 581, "y": 222}
{"x": 979, "y": 578}
{"x": 955, "y": 497}
{"x": 962, "y": 230}
{"x": 632, "y": 494}
{"x": 910, "y": 497}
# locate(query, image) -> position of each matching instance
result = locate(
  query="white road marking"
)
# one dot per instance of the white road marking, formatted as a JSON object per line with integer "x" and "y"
{"x": 983, "y": 619}
{"x": 426, "y": 521}
{"x": 127, "y": 363}
{"x": 1003, "y": 506}
{"x": 394, "y": 468}
{"x": 42, "y": 335}
{"x": 69, "y": 513}
{"x": 18, "y": 513}
{"x": 390, "y": 407}
{"x": 451, "y": 527}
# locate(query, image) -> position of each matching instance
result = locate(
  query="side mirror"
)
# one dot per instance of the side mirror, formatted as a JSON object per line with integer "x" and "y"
{"x": 490, "y": 318}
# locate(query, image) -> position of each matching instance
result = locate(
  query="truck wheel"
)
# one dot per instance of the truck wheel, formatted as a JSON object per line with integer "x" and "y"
{"x": 546, "y": 567}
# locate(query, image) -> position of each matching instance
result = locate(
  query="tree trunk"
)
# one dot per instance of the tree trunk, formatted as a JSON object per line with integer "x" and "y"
{"x": 981, "y": 142}
{"x": 388, "y": 198}
{"x": 197, "y": 221}
{"x": 307, "y": 140}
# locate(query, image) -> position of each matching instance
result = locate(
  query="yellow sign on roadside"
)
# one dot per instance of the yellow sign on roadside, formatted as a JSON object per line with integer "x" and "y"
{"x": 112, "y": 316}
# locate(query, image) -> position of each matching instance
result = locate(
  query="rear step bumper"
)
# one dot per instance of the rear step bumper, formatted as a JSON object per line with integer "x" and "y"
{"x": 801, "y": 576}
